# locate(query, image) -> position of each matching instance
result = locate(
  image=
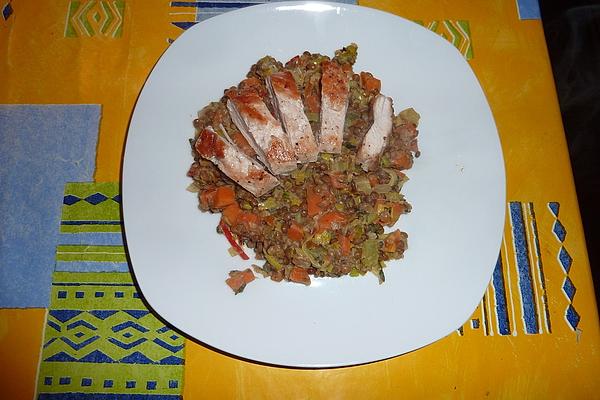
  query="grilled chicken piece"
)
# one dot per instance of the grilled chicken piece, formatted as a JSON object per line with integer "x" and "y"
{"x": 334, "y": 104}
{"x": 221, "y": 151}
{"x": 288, "y": 106}
{"x": 377, "y": 136}
{"x": 262, "y": 131}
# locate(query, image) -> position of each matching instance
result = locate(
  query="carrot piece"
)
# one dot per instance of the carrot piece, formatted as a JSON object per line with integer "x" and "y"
{"x": 401, "y": 159}
{"x": 249, "y": 218}
{"x": 312, "y": 202}
{"x": 393, "y": 241}
{"x": 224, "y": 196}
{"x": 299, "y": 275}
{"x": 345, "y": 244}
{"x": 397, "y": 210}
{"x": 231, "y": 213}
{"x": 207, "y": 198}
{"x": 369, "y": 82}
{"x": 238, "y": 280}
{"x": 295, "y": 231}
{"x": 330, "y": 220}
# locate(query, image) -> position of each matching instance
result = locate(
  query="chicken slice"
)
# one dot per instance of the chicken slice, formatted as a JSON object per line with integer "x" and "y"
{"x": 262, "y": 131}
{"x": 248, "y": 173}
{"x": 377, "y": 136}
{"x": 290, "y": 111}
{"x": 334, "y": 104}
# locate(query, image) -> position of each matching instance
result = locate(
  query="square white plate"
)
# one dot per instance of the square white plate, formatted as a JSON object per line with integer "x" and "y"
{"x": 457, "y": 189}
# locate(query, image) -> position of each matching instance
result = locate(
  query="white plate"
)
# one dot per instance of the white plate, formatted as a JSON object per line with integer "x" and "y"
{"x": 457, "y": 190}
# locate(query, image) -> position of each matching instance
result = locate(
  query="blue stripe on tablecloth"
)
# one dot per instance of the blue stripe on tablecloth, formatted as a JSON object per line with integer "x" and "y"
{"x": 41, "y": 148}
{"x": 528, "y": 9}
{"x": 523, "y": 268}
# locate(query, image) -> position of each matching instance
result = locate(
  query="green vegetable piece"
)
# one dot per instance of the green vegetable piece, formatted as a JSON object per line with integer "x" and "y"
{"x": 410, "y": 115}
{"x": 370, "y": 254}
{"x": 292, "y": 198}
{"x": 322, "y": 238}
{"x": 270, "y": 203}
{"x": 273, "y": 261}
{"x": 347, "y": 55}
{"x": 362, "y": 184}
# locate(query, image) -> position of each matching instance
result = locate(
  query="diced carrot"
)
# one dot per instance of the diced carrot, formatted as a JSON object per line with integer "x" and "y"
{"x": 207, "y": 198}
{"x": 345, "y": 244}
{"x": 224, "y": 196}
{"x": 331, "y": 220}
{"x": 312, "y": 202}
{"x": 236, "y": 284}
{"x": 249, "y": 219}
{"x": 295, "y": 231}
{"x": 401, "y": 159}
{"x": 269, "y": 219}
{"x": 231, "y": 213}
{"x": 397, "y": 210}
{"x": 247, "y": 275}
{"x": 238, "y": 280}
{"x": 393, "y": 241}
{"x": 369, "y": 82}
{"x": 299, "y": 275}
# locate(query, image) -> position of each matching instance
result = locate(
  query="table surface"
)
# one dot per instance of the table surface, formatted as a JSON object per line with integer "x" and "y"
{"x": 72, "y": 324}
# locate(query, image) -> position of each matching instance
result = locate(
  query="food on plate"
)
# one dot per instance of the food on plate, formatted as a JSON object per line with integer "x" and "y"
{"x": 289, "y": 109}
{"x": 305, "y": 162}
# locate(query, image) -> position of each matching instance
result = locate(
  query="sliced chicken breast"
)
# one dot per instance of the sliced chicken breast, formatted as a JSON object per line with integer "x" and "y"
{"x": 246, "y": 172}
{"x": 334, "y": 104}
{"x": 262, "y": 131}
{"x": 289, "y": 108}
{"x": 377, "y": 136}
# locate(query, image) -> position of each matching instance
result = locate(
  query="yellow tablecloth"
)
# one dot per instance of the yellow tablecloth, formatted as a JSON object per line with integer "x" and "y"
{"x": 101, "y": 51}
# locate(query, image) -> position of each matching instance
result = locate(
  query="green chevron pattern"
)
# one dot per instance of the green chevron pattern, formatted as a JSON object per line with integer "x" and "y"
{"x": 100, "y": 338}
{"x": 95, "y": 18}
{"x": 457, "y": 32}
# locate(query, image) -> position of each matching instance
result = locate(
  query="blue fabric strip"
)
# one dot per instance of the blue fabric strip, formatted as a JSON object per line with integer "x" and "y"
{"x": 41, "y": 148}
{"x": 91, "y": 266}
{"x": 528, "y": 9}
{"x": 92, "y": 238}
{"x": 500, "y": 296}
{"x": 524, "y": 269}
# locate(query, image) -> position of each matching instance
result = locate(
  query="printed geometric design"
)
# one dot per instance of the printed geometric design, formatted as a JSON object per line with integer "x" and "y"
{"x": 91, "y": 207}
{"x": 91, "y": 239}
{"x": 554, "y": 208}
{"x": 559, "y": 231}
{"x": 569, "y": 289}
{"x": 95, "y": 18}
{"x": 7, "y": 11}
{"x": 565, "y": 259}
{"x": 516, "y": 298}
{"x": 572, "y": 317}
{"x": 457, "y": 32}
{"x": 90, "y": 341}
